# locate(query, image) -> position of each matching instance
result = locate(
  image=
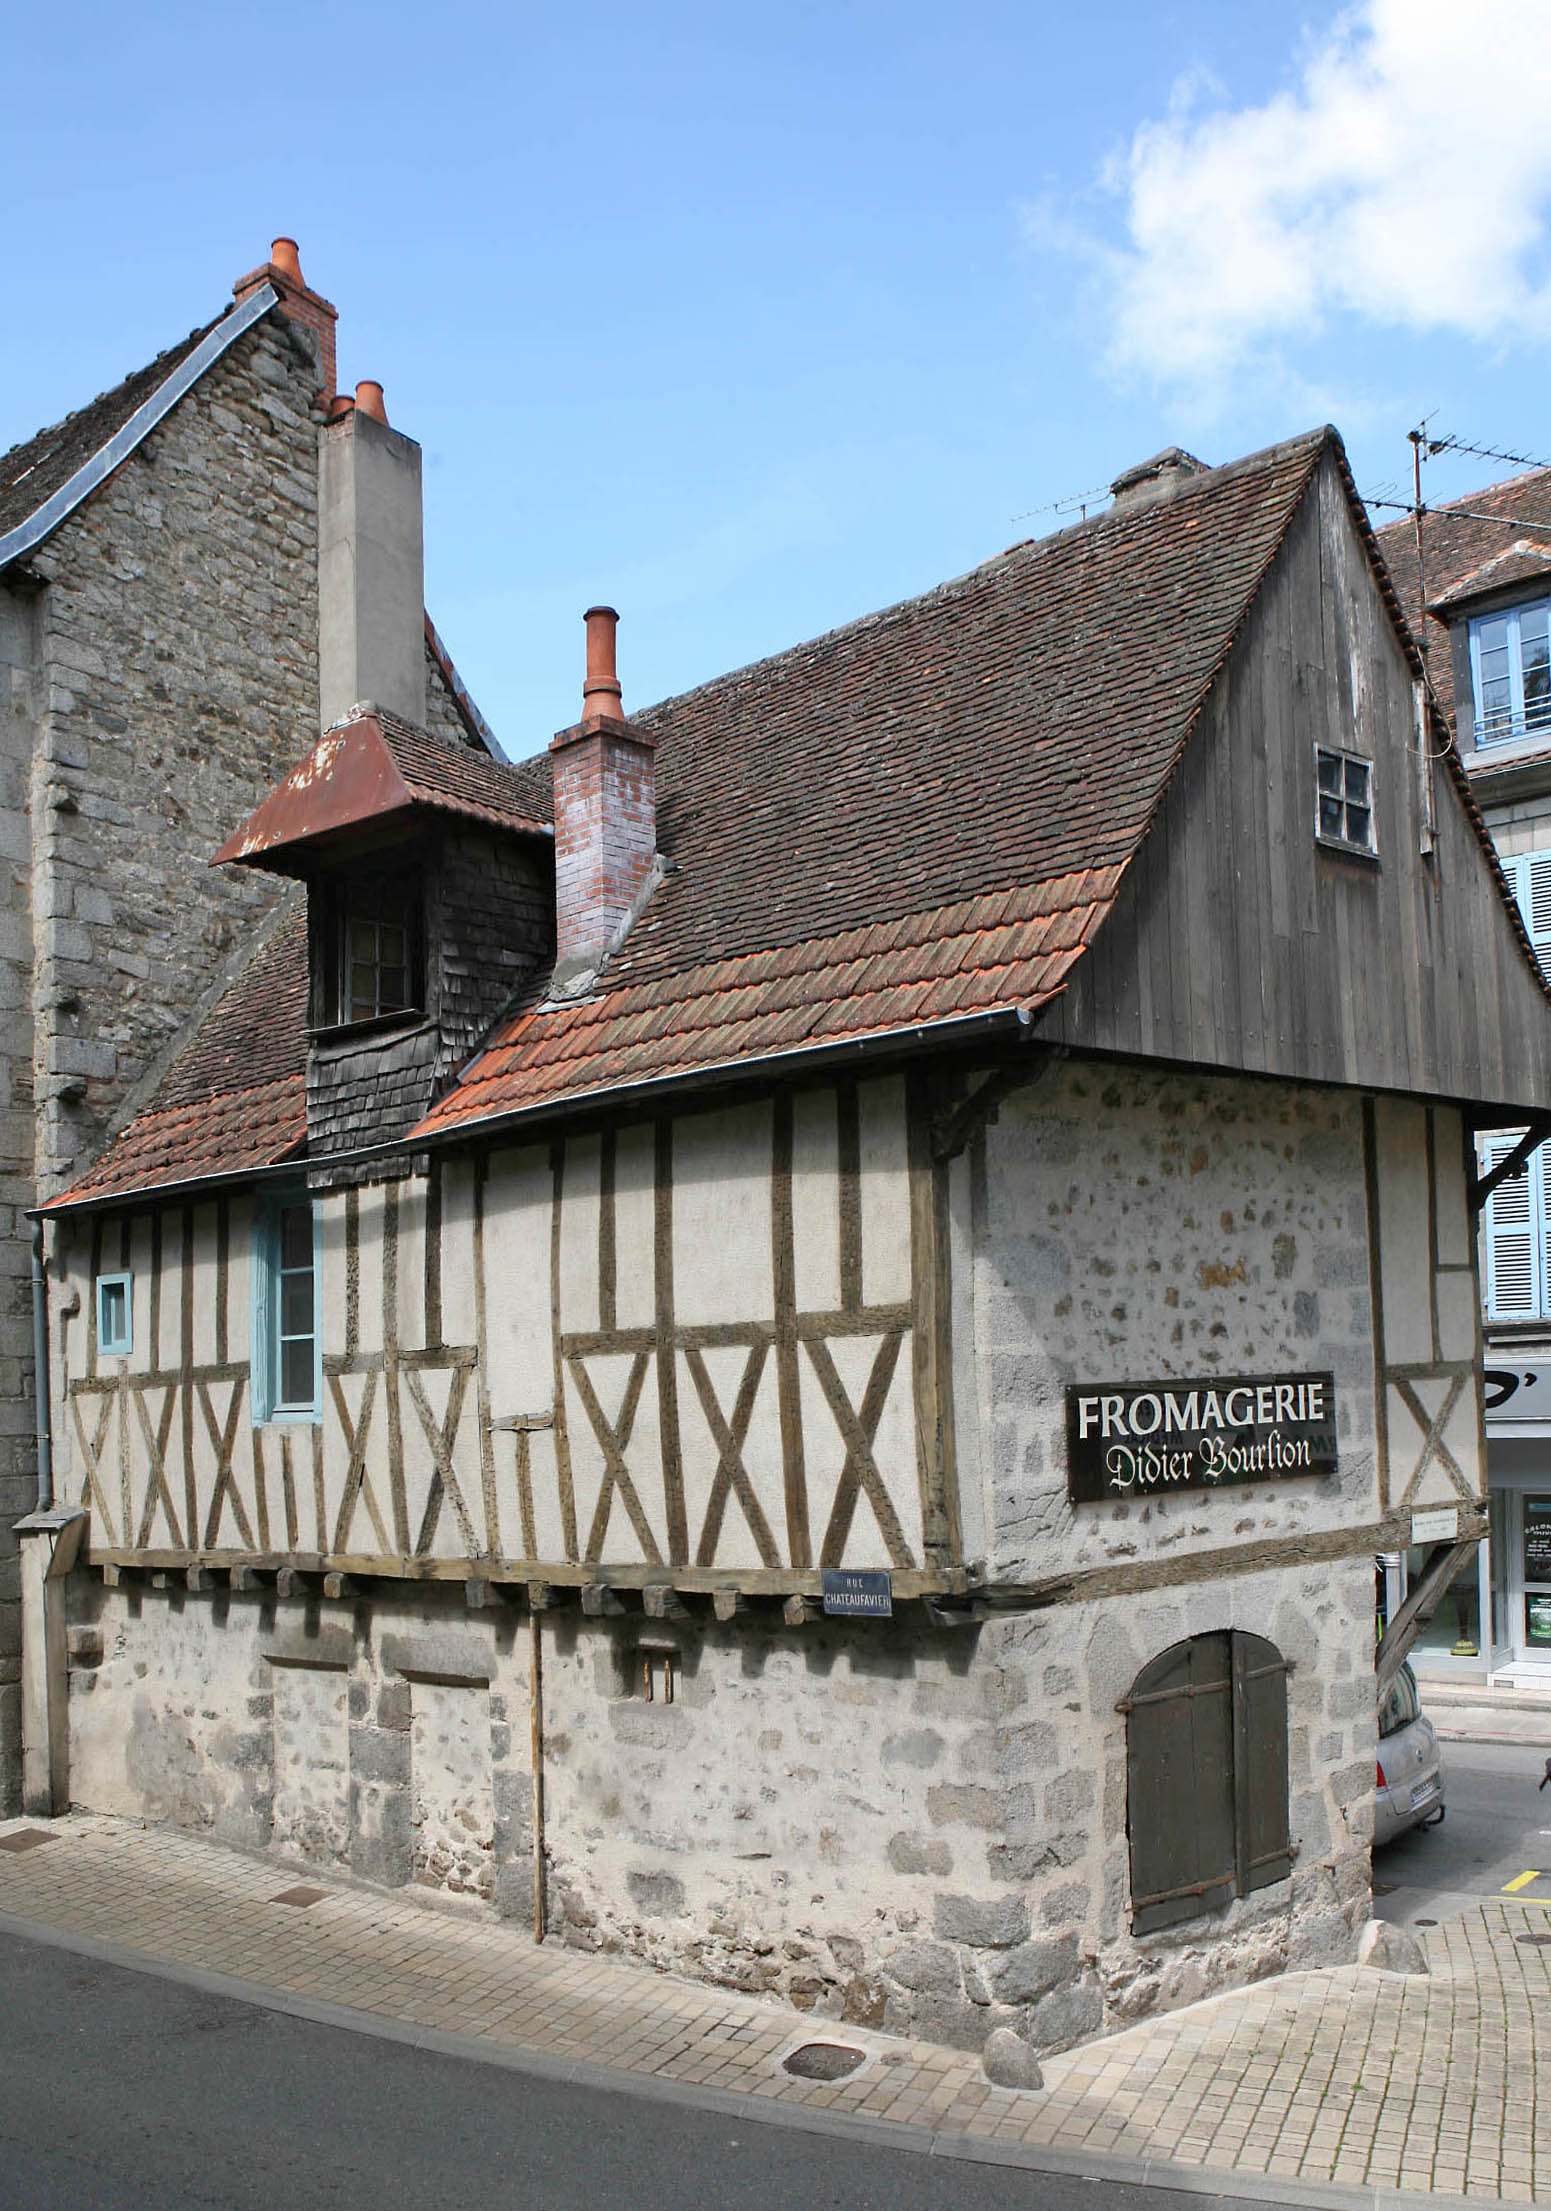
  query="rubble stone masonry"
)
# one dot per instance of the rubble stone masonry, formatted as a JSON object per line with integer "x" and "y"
{"x": 158, "y": 672}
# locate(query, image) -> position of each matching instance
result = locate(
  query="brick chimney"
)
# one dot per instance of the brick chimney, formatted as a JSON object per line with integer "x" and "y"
{"x": 297, "y": 301}
{"x": 605, "y": 812}
{"x": 371, "y": 562}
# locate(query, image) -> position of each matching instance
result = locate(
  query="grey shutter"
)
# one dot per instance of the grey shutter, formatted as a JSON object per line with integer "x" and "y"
{"x": 1260, "y": 1762}
{"x": 1532, "y": 882}
{"x": 1180, "y": 1793}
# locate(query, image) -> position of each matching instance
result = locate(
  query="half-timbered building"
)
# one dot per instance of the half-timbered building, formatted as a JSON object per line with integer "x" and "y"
{"x": 783, "y": 1338}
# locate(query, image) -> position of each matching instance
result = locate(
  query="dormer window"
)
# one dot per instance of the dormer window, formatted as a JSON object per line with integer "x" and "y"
{"x": 377, "y": 944}
{"x": 1510, "y": 672}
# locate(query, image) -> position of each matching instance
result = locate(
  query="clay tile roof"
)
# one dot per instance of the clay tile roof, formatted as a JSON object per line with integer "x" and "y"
{"x": 236, "y": 1099}
{"x": 1521, "y": 563}
{"x": 1458, "y": 540}
{"x": 915, "y": 821}
{"x": 371, "y": 767}
{"x": 919, "y": 818}
{"x": 32, "y": 472}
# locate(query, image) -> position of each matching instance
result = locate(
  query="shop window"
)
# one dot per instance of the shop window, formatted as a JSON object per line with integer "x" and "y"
{"x": 1510, "y": 673}
{"x": 287, "y": 1369}
{"x": 115, "y": 1315}
{"x": 1206, "y": 1777}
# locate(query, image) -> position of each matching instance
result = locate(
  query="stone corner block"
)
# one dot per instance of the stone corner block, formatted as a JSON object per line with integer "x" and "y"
{"x": 1008, "y": 2062}
{"x": 1390, "y": 1949}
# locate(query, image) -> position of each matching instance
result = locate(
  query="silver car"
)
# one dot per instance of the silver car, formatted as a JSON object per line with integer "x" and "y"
{"x": 1409, "y": 1791}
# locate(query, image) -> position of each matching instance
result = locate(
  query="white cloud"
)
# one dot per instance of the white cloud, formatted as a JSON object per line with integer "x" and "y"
{"x": 1404, "y": 179}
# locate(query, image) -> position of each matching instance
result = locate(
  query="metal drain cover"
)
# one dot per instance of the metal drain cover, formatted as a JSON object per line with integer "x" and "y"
{"x": 1539, "y": 1942}
{"x": 26, "y": 1838}
{"x": 823, "y": 2061}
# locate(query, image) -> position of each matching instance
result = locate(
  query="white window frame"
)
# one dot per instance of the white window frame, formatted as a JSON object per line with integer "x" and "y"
{"x": 1518, "y": 724}
{"x": 112, "y": 1346}
{"x": 265, "y": 1368}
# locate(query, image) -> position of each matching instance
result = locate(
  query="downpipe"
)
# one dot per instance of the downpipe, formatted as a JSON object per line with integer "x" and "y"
{"x": 40, "y": 1373}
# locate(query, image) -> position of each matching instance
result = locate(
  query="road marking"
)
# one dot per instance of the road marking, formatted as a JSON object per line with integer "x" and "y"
{"x": 1522, "y": 1882}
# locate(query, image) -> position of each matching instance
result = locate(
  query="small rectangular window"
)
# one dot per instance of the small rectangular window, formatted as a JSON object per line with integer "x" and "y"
{"x": 1343, "y": 799}
{"x": 286, "y": 1365}
{"x": 377, "y": 950}
{"x": 1510, "y": 673}
{"x": 115, "y": 1315}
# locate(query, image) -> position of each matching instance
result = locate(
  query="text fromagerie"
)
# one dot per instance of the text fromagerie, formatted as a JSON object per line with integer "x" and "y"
{"x": 1143, "y": 1437}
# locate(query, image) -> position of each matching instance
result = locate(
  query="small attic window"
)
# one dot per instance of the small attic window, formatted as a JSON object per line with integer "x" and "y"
{"x": 1510, "y": 673}
{"x": 375, "y": 962}
{"x": 1344, "y": 800}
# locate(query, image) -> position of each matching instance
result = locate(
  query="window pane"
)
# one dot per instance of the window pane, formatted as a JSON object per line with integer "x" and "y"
{"x": 390, "y": 989}
{"x": 113, "y": 1304}
{"x": 296, "y": 1372}
{"x": 296, "y": 1304}
{"x": 1357, "y": 781}
{"x": 1329, "y": 771}
{"x": 1537, "y": 674}
{"x": 363, "y": 993}
{"x": 363, "y": 940}
{"x": 1357, "y": 820}
{"x": 296, "y": 1236}
{"x": 390, "y": 945}
{"x": 1331, "y": 815}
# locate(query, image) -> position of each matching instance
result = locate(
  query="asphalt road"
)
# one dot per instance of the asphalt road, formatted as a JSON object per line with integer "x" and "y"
{"x": 1496, "y": 1829}
{"x": 121, "y": 2091}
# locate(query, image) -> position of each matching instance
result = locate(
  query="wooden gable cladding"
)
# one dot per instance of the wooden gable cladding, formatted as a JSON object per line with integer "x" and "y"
{"x": 710, "y": 1349}
{"x": 1239, "y": 940}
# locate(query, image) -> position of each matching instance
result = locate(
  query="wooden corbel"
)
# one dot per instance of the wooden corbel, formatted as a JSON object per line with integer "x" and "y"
{"x": 953, "y": 1127}
{"x": 1481, "y": 1186}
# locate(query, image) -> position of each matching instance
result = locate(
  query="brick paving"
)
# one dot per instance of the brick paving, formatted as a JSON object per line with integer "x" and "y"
{"x": 1351, "y": 2077}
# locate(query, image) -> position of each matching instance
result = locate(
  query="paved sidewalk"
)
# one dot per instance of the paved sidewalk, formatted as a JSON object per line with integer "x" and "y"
{"x": 1465, "y": 1712}
{"x": 1343, "y": 2085}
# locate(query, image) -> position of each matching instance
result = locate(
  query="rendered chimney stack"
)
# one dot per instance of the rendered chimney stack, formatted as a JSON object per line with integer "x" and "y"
{"x": 605, "y": 813}
{"x": 298, "y": 302}
{"x": 371, "y": 563}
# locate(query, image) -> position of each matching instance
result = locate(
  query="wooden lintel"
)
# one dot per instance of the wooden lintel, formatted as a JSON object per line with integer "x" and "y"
{"x": 599, "y": 1601}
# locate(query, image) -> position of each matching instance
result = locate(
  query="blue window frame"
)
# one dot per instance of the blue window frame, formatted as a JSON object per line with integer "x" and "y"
{"x": 1510, "y": 672}
{"x": 287, "y": 1336}
{"x": 115, "y": 1315}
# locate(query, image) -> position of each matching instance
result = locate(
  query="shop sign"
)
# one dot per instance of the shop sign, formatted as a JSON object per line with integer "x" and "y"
{"x": 1141, "y": 1439}
{"x": 1516, "y": 1394}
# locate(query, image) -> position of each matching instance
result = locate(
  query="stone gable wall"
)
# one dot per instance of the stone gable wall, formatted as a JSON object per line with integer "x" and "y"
{"x": 156, "y": 678}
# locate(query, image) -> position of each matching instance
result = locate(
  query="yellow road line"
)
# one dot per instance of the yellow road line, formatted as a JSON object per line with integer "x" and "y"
{"x": 1523, "y": 1881}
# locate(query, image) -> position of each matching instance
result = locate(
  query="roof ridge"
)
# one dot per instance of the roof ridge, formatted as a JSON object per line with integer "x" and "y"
{"x": 179, "y": 346}
{"x": 1194, "y": 487}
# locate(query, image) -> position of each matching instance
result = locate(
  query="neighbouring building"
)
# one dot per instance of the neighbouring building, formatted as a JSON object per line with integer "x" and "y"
{"x": 1475, "y": 577}
{"x": 159, "y": 652}
{"x": 784, "y": 1337}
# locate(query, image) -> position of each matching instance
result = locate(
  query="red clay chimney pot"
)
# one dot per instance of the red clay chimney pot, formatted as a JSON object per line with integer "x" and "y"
{"x": 368, "y": 398}
{"x": 601, "y": 692}
{"x": 282, "y": 255}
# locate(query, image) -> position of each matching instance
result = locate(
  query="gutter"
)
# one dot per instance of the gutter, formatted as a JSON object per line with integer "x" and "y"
{"x": 47, "y": 518}
{"x": 41, "y": 1392}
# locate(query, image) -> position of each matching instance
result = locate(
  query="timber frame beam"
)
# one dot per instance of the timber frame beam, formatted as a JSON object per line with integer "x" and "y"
{"x": 1443, "y": 1563}
{"x": 1482, "y": 1186}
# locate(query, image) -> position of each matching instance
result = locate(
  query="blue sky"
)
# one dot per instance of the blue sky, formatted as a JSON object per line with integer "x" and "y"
{"x": 753, "y": 319}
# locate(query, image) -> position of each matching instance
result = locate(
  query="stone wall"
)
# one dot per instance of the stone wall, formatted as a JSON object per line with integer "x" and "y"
{"x": 912, "y": 1828}
{"x": 158, "y": 671}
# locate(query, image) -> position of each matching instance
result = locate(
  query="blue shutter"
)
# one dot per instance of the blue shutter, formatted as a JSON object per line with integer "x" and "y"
{"x": 1516, "y": 1223}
